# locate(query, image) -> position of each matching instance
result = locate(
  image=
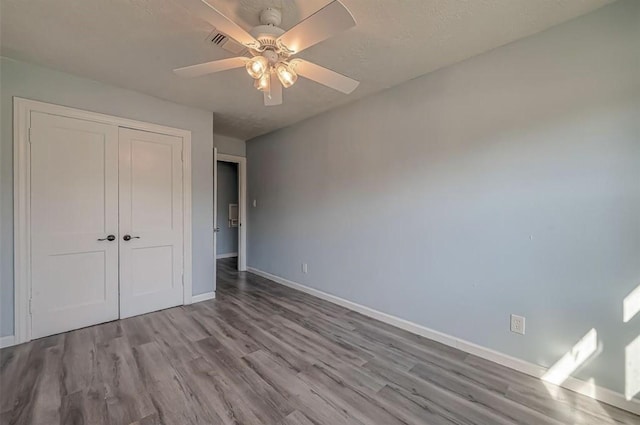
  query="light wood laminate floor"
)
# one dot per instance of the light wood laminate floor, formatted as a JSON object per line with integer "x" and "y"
{"x": 266, "y": 354}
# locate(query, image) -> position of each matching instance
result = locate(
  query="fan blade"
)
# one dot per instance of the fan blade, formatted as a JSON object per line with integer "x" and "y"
{"x": 206, "y": 11}
{"x": 274, "y": 96}
{"x": 324, "y": 76}
{"x": 326, "y": 22}
{"x": 211, "y": 67}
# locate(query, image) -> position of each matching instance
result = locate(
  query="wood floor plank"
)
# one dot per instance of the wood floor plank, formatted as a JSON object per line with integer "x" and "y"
{"x": 125, "y": 394}
{"x": 410, "y": 410}
{"x": 357, "y": 377}
{"x": 297, "y": 360}
{"x": 176, "y": 403}
{"x": 265, "y": 354}
{"x": 47, "y": 398}
{"x": 266, "y": 403}
{"x": 358, "y": 401}
{"x": 318, "y": 406}
{"x": 23, "y": 394}
{"x": 136, "y": 330}
{"x": 481, "y": 394}
{"x": 152, "y": 364}
{"x": 318, "y": 343}
{"x": 223, "y": 398}
{"x": 527, "y": 389}
{"x": 296, "y": 418}
{"x": 436, "y": 399}
{"x": 176, "y": 347}
{"x": 12, "y": 370}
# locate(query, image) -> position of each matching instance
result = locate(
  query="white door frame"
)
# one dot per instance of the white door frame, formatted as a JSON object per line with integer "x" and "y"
{"x": 22, "y": 109}
{"x": 242, "y": 204}
{"x": 215, "y": 220}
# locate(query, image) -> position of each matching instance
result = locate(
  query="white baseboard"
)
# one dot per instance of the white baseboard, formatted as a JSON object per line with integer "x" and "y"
{"x": 229, "y": 255}
{"x": 7, "y": 341}
{"x": 582, "y": 387}
{"x": 203, "y": 297}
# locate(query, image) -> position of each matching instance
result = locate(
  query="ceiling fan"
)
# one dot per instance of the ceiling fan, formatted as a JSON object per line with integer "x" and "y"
{"x": 271, "y": 63}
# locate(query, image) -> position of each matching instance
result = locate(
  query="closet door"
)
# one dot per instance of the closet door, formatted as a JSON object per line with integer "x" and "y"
{"x": 151, "y": 221}
{"x": 74, "y": 223}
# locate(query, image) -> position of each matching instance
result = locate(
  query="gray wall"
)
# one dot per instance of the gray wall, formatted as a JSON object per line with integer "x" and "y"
{"x": 34, "y": 82}
{"x": 229, "y": 145}
{"x": 508, "y": 183}
{"x": 227, "y": 240}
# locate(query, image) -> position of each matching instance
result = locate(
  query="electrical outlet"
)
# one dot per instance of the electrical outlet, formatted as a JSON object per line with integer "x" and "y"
{"x": 305, "y": 268}
{"x": 517, "y": 324}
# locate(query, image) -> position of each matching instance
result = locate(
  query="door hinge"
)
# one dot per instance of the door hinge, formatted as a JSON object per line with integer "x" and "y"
{"x": 182, "y": 156}
{"x": 183, "y": 280}
{"x": 29, "y": 136}
{"x": 30, "y": 304}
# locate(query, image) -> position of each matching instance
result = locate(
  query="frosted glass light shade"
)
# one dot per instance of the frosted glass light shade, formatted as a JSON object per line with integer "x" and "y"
{"x": 286, "y": 75}
{"x": 264, "y": 82}
{"x": 257, "y": 66}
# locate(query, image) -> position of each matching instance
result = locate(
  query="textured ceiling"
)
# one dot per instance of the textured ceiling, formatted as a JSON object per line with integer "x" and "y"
{"x": 136, "y": 43}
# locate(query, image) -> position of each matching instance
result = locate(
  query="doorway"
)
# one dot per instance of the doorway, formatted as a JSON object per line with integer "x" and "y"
{"x": 228, "y": 219}
{"x": 230, "y": 208}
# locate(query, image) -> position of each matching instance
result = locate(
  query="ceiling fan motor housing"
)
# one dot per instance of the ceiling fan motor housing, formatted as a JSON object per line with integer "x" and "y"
{"x": 268, "y": 32}
{"x": 271, "y": 16}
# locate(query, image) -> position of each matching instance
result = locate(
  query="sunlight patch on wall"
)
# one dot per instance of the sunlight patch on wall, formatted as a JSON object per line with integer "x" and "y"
{"x": 631, "y": 305}
{"x": 572, "y": 360}
{"x": 632, "y": 369}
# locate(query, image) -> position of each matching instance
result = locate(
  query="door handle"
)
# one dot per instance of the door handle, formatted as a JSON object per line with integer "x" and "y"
{"x": 216, "y": 229}
{"x": 108, "y": 238}
{"x": 129, "y": 237}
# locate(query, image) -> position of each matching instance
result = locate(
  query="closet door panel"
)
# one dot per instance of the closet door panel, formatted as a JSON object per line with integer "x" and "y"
{"x": 151, "y": 220}
{"x": 74, "y": 208}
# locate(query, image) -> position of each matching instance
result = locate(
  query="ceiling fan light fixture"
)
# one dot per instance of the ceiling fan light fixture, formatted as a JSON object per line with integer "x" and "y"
{"x": 264, "y": 82}
{"x": 257, "y": 67}
{"x": 271, "y": 48}
{"x": 286, "y": 74}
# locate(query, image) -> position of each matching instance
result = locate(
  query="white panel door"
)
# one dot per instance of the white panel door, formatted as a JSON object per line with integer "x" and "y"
{"x": 151, "y": 236}
{"x": 74, "y": 209}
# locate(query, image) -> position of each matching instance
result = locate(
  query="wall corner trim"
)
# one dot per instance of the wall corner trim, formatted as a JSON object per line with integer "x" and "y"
{"x": 604, "y": 395}
{"x": 203, "y": 297}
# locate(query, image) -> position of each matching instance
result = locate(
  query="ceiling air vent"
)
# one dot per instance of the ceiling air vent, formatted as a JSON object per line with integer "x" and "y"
{"x": 221, "y": 40}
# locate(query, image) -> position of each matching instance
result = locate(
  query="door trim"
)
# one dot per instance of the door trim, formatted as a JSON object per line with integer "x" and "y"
{"x": 215, "y": 217}
{"x": 242, "y": 205}
{"x": 22, "y": 109}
